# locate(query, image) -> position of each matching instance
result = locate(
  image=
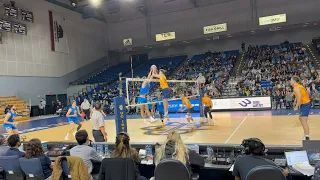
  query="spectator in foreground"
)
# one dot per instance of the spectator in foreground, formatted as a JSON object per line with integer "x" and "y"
{"x": 14, "y": 143}
{"x": 316, "y": 175}
{"x": 124, "y": 150}
{"x": 174, "y": 148}
{"x": 97, "y": 122}
{"x": 3, "y": 148}
{"x": 34, "y": 150}
{"x": 254, "y": 150}
{"x": 84, "y": 151}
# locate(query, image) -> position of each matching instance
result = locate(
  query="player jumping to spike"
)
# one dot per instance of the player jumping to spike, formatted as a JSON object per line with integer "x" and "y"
{"x": 142, "y": 99}
{"x": 165, "y": 90}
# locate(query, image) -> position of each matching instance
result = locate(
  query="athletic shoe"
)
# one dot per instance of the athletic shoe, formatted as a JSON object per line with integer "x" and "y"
{"x": 67, "y": 137}
{"x": 166, "y": 117}
{"x": 146, "y": 122}
{"x": 205, "y": 120}
{"x": 152, "y": 119}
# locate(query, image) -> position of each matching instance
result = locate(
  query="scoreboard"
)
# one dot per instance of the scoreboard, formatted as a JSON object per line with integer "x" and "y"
{"x": 26, "y": 15}
{"x": 19, "y": 28}
{"x": 5, "y": 25}
{"x": 11, "y": 11}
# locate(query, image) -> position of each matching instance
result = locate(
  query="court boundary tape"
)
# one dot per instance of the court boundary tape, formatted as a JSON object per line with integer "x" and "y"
{"x": 236, "y": 129}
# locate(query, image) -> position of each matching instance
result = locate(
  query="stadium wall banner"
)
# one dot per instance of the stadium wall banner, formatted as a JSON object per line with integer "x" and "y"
{"x": 59, "y": 41}
{"x": 227, "y": 104}
{"x": 215, "y": 28}
{"x": 165, "y": 36}
{"x": 274, "y": 19}
{"x": 127, "y": 42}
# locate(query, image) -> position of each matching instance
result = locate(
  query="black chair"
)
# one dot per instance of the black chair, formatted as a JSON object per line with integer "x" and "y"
{"x": 119, "y": 169}
{"x": 266, "y": 173}
{"x": 32, "y": 168}
{"x": 11, "y": 167}
{"x": 171, "y": 169}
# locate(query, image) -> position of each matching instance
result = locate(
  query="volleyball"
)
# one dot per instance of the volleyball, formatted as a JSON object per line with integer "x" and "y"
{"x": 154, "y": 67}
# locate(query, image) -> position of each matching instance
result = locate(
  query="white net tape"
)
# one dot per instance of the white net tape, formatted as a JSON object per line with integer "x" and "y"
{"x": 189, "y": 88}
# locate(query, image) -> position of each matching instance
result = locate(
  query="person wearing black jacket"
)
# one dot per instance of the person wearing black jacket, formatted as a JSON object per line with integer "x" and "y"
{"x": 174, "y": 148}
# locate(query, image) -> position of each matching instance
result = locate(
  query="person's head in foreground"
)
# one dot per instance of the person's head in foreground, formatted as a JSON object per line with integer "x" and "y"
{"x": 294, "y": 80}
{"x": 2, "y": 140}
{"x": 253, "y": 146}
{"x": 34, "y": 148}
{"x": 173, "y": 148}
{"x": 82, "y": 137}
{"x": 123, "y": 148}
{"x": 14, "y": 140}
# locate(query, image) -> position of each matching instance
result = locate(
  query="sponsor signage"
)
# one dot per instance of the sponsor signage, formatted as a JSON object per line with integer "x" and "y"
{"x": 215, "y": 28}
{"x": 275, "y": 19}
{"x": 227, "y": 104}
{"x": 165, "y": 36}
{"x": 127, "y": 42}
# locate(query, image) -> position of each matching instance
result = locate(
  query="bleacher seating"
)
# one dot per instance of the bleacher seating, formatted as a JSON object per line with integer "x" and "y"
{"x": 23, "y": 111}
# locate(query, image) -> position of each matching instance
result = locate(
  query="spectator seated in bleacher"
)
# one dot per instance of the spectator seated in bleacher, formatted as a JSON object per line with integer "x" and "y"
{"x": 254, "y": 150}
{"x": 34, "y": 150}
{"x": 315, "y": 98}
{"x": 124, "y": 150}
{"x": 14, "y": 143}
{"x": 268, "y": 69}
{"x": 175, "y": 148}
{"x": 84, "y": 151}
{"x": 3, "y": 147}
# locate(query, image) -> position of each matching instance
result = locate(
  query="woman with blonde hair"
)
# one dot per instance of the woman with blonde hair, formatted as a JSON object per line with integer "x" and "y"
{"x": 174, "y": 148}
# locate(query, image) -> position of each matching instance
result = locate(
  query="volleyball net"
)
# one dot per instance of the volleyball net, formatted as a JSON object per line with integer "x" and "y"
{"x": 177, "y": 87}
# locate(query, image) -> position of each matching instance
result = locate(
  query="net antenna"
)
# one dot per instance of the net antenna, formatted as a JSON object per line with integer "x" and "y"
{"x": 158, "y": 89}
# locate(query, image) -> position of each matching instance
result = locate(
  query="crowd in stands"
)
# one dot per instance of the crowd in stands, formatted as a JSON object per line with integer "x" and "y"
{"x": 316, "y": 44}
{"x": 268, "y": 69}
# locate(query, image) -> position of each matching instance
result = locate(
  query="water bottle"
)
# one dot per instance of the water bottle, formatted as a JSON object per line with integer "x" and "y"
{"x": 100, "y": 150}
{"x": 148, "y": 150}
{"x": 106, "y": 151}
{"x": 210, "y": 153}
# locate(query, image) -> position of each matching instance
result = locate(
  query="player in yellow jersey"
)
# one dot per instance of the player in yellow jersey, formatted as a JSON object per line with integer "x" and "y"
{"x": 302, "y": 101}
{"x": 165, "y": 90}
{"x": 187, "y": 105}
{"x": 206, "y": 101}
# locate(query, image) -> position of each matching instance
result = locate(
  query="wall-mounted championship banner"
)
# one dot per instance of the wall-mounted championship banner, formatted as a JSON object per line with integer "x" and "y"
{"x": 127, "y": 42}
{"x": 215, "y": 28}
{"x": 275, "y": 19}
{"x": 165, "y": 36}
{"x": 59, "y": 42}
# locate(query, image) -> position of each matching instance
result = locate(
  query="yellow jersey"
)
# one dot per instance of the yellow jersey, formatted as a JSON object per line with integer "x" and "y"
{"x": 207, "y": 101}
{"x": 186, "y": 102}
{"x": 305, "y": 99}
{"x": 163, "y": 82}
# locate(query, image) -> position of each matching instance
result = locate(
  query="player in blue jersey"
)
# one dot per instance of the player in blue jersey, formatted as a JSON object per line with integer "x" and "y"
{"x": 73, "y": 115}
{"x": 160, "y": 107}
{"x": 8, "y": 124}
{"x": 142, "y": 99}
{"x": 151, "y": 106}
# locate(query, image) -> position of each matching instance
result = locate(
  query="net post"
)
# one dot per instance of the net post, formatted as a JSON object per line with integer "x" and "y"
{"x": 201, "y": 92}
{"x": 127, "y": 89}
{"x": 120, "y": 112}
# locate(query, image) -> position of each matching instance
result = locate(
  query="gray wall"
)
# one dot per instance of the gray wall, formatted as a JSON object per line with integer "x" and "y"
{"x": 28, "y": 66}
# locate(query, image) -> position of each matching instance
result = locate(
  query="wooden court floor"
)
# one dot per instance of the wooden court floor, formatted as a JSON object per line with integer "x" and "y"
{"x": 228, "y": 129}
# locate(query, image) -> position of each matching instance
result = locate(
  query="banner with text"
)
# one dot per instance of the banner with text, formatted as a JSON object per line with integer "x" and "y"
{"x": 165, "y": 36}
{"x": 227, "y": 104}
{"x": 215, "y": 28}
{"x": 274, "y": 19}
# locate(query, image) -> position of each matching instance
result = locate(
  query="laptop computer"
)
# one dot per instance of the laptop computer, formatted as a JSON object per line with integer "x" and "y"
{"x": 313, "y": 150}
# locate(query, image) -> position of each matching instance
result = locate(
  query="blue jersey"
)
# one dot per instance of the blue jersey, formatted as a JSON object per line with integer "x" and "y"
{"x": 73, "y": 112}
{"x": 12, "y": 116}
{"x": 160, "y": 106}
{"x": 145, "y": 90}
